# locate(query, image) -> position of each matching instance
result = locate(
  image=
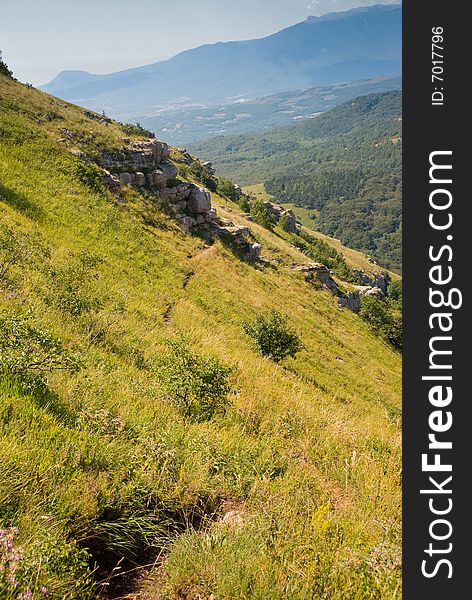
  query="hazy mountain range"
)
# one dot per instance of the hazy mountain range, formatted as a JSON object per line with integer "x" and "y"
{"x": 362, "y": 43}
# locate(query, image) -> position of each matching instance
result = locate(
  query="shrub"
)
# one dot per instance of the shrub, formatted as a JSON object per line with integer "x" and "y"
{"x": 262, "y": 215}
{"x": 91, "y": 176}
{"x": 4, "y": 70}
{"x": 272, "y": 336}
{"x": 17, "y": 248}
{"x": 394, "y": 291}
{"x": 227, "y": 189}
{"x": 322, "y": 252}
{"x": 30, "y": 353}
{"x": 136, "y": 129}
{"x": 197, "y": 384}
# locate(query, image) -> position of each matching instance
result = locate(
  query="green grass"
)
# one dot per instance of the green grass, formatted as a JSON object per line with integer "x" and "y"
{"x": 99, "y": 466}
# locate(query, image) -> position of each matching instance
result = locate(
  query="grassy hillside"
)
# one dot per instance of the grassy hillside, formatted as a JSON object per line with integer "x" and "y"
{"x": 345, "y": 163}
{"x": 101, "y": 473}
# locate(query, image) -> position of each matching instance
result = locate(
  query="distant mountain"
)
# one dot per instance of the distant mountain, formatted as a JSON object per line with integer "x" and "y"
{"x": 189, "y": 125}
{"x": 358, "y": 44}
{"x": 345, "y": 164}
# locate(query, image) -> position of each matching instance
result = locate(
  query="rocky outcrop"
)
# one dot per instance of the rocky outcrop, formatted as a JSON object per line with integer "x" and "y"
{"x": 285, "y": 218}
{"x": 288, "y": 221}
{"x": 199, "y": 201}
{"x": 350, "y": 300}
{"x": 322, "y": 275}
{"x": 141, "y": 163}
{"x": 102, "y": 119}
{"x": 378, "y": 280}
{"x": 367, "y": 290}
{"x": 144, "y": 164}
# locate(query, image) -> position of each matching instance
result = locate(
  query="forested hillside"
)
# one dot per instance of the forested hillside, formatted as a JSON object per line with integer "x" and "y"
{"x": 345, "y": 163}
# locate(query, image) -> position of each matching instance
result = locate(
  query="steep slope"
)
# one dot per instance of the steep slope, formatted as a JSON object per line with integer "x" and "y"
{"x": 358, "y": 44}
{"x": 293, "y": 490}
{"x": 345, "y": 164}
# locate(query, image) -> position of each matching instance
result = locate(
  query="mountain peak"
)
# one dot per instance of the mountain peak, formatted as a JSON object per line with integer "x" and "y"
{"x": 343, "y": 14}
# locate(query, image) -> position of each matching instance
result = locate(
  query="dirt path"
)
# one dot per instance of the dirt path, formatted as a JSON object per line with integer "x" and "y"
{"x": 196, "y": 258}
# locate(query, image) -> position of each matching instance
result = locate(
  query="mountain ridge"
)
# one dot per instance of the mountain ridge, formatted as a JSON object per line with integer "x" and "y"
{"x": 358, "y": 46}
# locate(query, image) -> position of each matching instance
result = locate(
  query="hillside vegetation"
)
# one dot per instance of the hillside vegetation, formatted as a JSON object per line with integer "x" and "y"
{"x": 345, "y": 163}
{"x": 140, "y": 426}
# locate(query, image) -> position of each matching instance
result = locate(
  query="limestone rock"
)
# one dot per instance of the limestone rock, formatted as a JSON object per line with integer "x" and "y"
{"x": 163, "y": 174}
{"x": 111, "y": 181}
{"x": 321, "y": 273}
{"x": 351, "y": 300}
{"x": 253, "y": 253}
{"x": 125, "y": 178}
{"x": 139, "y": 179}
{"x": 199, "y": 200}
{"x": 142, "y": 155}
{"x": 288, "y": 221}
{"x": 186, "y": 223}
{"x": 233, "y": 518}
{"x": 378, "y": 280}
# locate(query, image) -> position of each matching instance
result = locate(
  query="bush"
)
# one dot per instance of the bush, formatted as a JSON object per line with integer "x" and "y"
{"x": 262, "y": 215}
{"x": 4, "y": 70}
{"x": 394, "y": 291}
{"x": 198, "y": 385}
{"x": 136, "y": 129}
{"x": 30, "y": 353}
{"x": 272, "y": 336}
{"x": 385, "y": 322}
{"x": 91, "y": 176}
{"x": 226, "y": 189}
{"x": 322, "y": 252}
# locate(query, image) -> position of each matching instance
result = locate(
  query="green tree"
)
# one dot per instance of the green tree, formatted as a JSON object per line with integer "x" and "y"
{"x": 272, "y": 336}
{"x": 198, "y": 385}
{"x": 4, "y": 70}
{"x": 262, "y": 215}
{"x": 227, "y": 189}
{"x": 385, "y": 322}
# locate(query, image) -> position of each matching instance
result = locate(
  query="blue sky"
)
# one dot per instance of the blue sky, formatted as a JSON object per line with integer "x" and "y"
{"x": 40, "y": 38}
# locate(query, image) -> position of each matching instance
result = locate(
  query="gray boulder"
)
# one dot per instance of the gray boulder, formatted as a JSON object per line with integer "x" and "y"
{"x": 163, "y": 174}
{"x": 199, "y": 200}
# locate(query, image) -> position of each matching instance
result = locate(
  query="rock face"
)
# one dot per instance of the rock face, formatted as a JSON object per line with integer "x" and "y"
{"x": 144, "y": 164}
{"x": 286, "y": 218}
{"x": 378, "y": 280}
{"x": 141, "y": 163}
{"x": 199, "y": 201}
{"x": 367, "y": 290}
{"x": 322, "y": 275}
{"x": 351, "y": 300}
